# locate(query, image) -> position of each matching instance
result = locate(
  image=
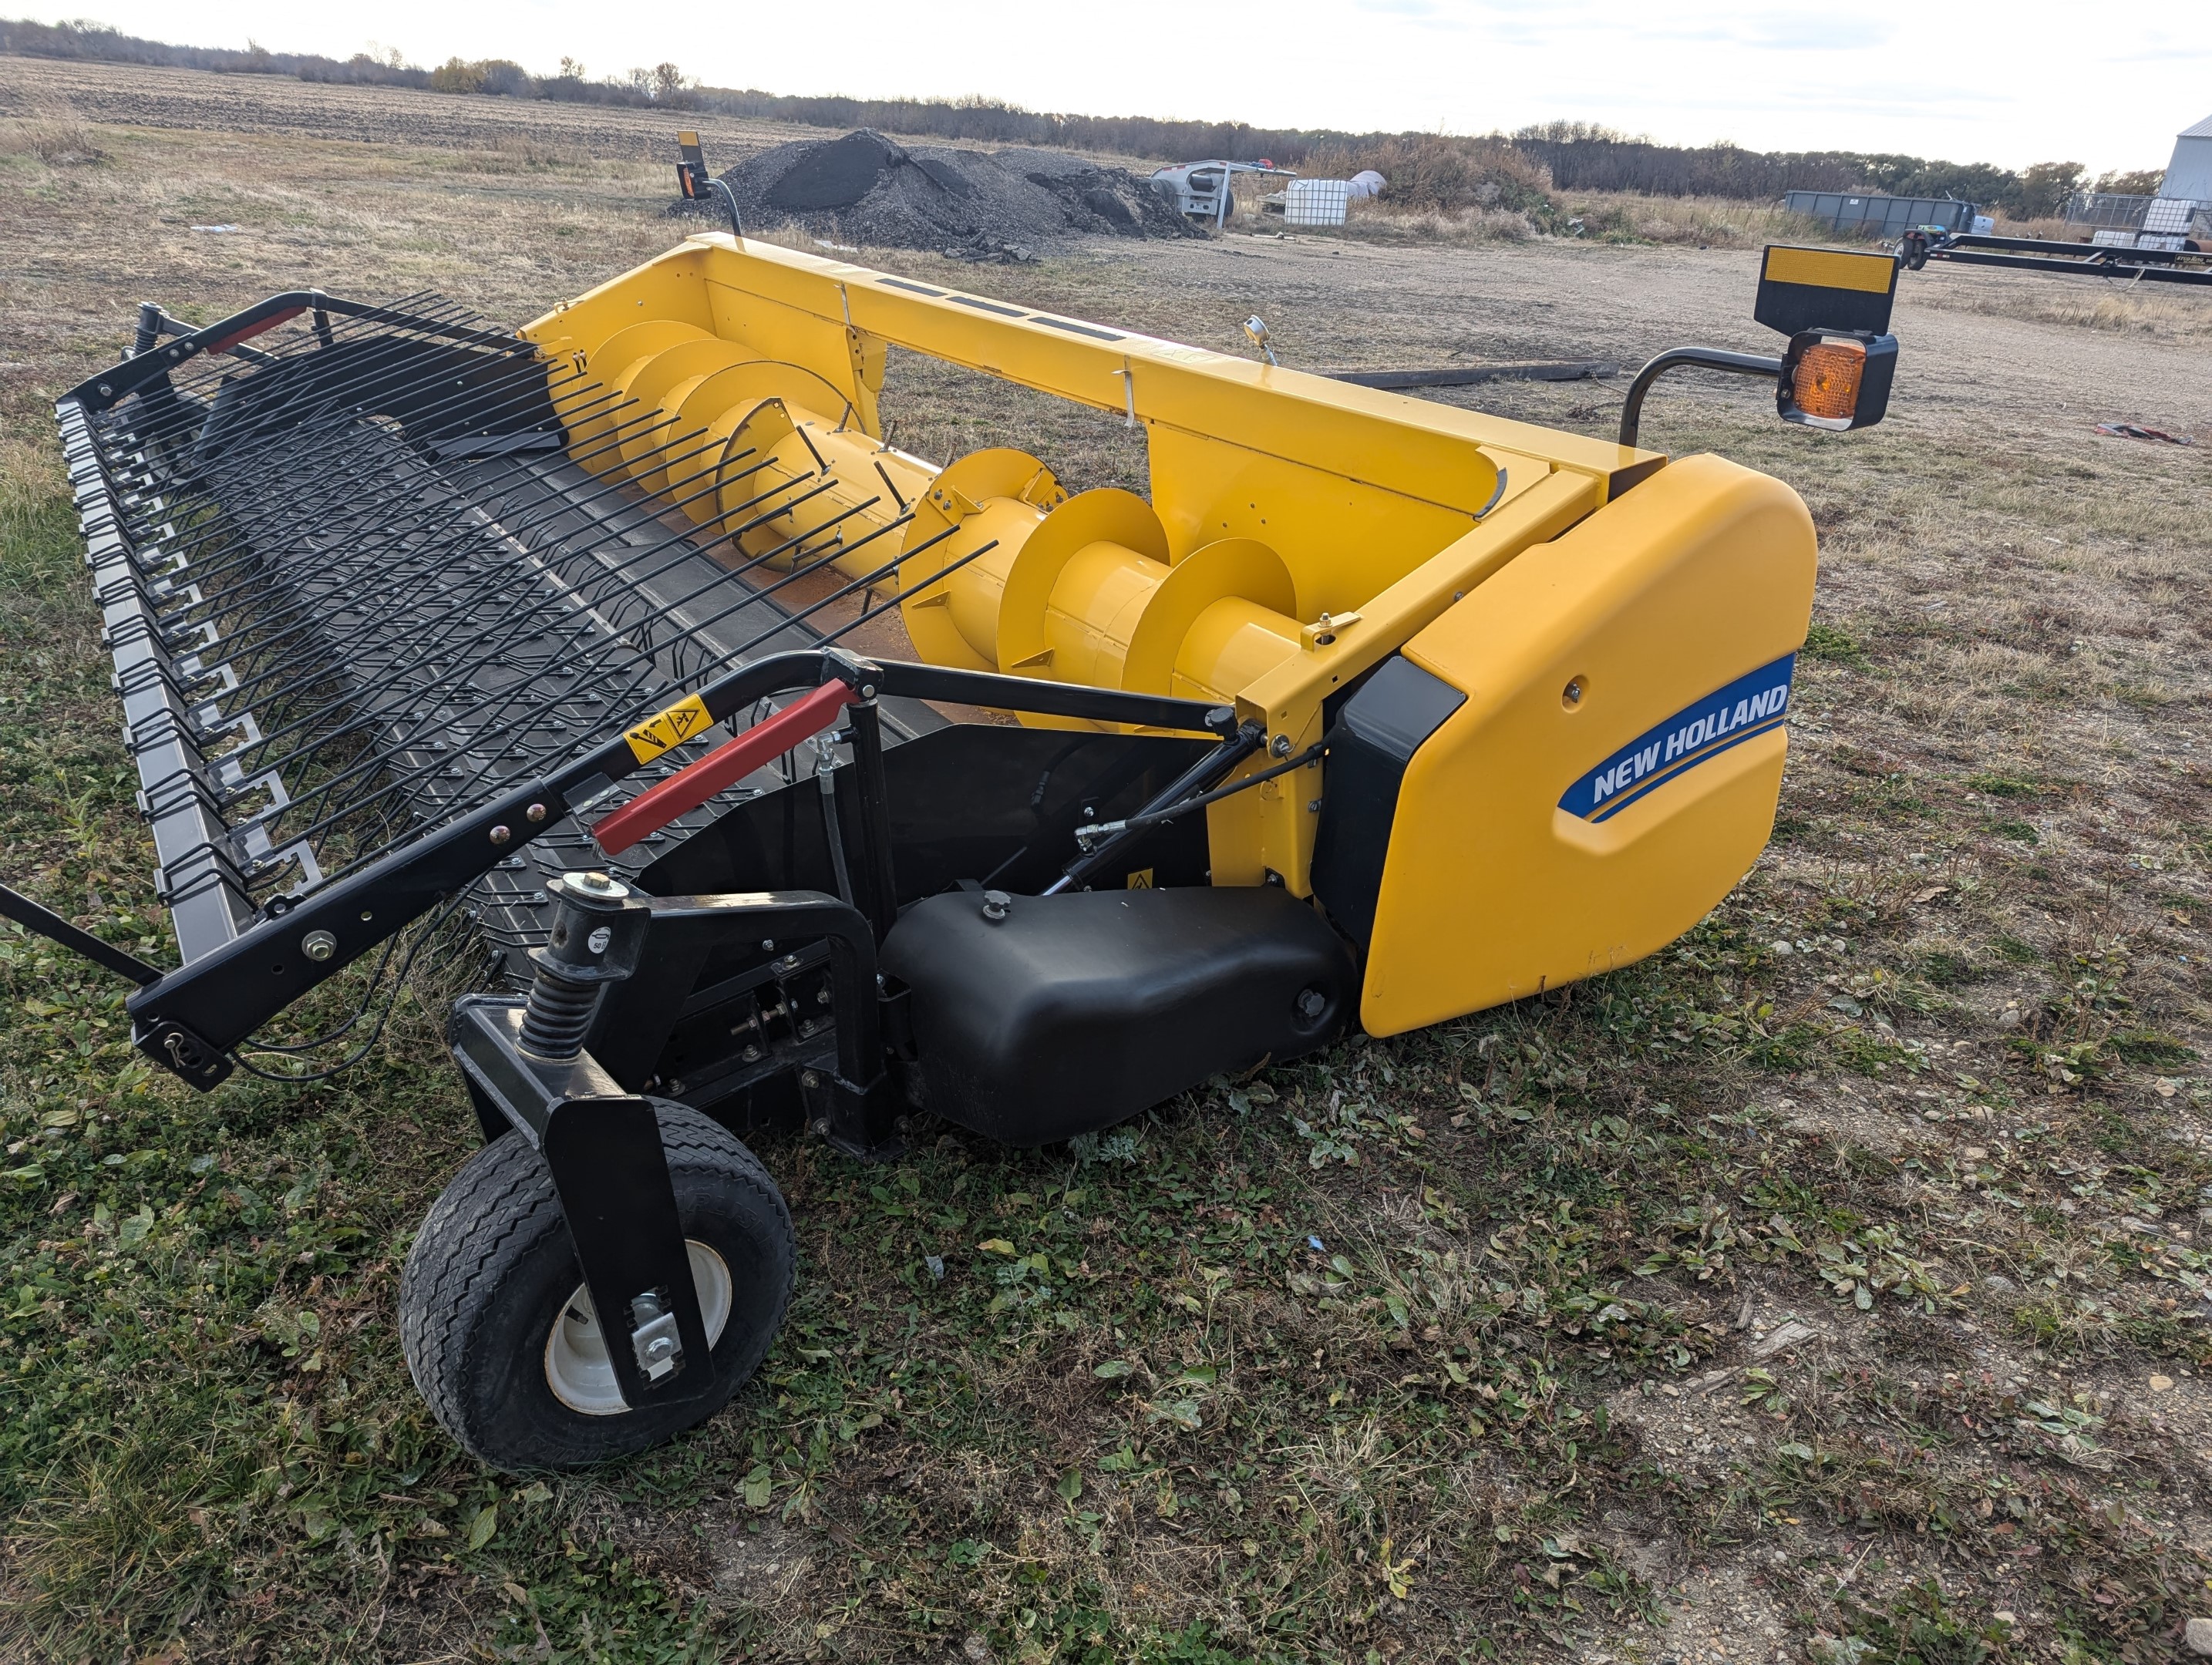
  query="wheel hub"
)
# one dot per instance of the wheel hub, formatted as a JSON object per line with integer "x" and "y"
{"x": 577, "y": 1367}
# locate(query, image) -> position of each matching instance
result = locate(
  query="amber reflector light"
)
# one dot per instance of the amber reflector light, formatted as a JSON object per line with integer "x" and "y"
{"x": 1827, "y": 382}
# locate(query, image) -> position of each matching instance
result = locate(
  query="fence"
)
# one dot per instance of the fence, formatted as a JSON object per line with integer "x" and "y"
{"x": 2166, "y": 215}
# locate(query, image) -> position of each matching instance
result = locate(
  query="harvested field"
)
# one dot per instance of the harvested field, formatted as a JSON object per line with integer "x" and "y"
{"x": 1830, "y": 1287}
{"x": 194, "y": 100}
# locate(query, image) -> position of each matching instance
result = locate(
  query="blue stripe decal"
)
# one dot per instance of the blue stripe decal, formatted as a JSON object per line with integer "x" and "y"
{"x": 1726, "y": 717}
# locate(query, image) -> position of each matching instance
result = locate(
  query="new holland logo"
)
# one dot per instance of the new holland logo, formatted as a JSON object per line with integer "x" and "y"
{"x": 1728, "y": 716}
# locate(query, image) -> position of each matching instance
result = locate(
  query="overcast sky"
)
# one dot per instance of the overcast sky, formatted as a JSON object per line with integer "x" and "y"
{"x": 2010, "y": 81}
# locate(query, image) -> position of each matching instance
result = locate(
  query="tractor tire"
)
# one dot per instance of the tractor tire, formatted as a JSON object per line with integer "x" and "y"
{"x": 498, "y": 1332}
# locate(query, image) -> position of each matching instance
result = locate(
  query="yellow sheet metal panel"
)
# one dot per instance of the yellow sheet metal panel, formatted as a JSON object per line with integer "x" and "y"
{"x": 1343, "y": 538}
{"x": 1543, "y": 835}
{"x": 769, "y": 298}
{"x": 670, "y": 286}
{"x": 1288, "y": 697}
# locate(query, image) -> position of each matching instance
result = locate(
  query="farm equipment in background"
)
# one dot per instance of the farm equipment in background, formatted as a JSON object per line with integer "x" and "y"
{"x": 1202, "y": 191}
{"x": 621, "y": 666}
{"x": 2130, "y": 256}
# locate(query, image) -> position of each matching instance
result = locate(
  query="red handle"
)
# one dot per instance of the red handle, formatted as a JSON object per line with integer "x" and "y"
{"x": 253, "y": 329}
{"x": 726, "y": 764}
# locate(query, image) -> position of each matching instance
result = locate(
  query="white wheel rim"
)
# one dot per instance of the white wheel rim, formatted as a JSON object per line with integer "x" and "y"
{"x": 577, "y": 1368}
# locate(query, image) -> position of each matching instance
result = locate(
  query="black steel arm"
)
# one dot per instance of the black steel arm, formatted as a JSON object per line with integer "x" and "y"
{"x": 1677, "y": 358}
{"x": 1206, "y": 773}
{"x": 1052, "y": 699}
{"x": 637, "y": 1014}
{"x": 47, "y": 923}
{"x": 153, "y": 361}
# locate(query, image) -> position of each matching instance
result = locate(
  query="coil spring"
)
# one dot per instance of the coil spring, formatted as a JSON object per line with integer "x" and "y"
{"x": 559, "y": 1012}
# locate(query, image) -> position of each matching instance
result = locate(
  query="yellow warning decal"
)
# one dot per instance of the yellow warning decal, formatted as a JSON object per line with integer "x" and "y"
{"x": 1831, "y": 269}
{"x": 1141, "y": 879}
{"x": 670, "y": 728}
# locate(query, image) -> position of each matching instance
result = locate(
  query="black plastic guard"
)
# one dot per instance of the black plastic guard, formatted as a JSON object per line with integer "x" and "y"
{"x": 1374, "y": 738}
{"x": 1076, "y": 1011}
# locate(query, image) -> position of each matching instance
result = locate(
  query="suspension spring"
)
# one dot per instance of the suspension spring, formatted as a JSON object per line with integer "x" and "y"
{"x": 558, "y": 1016}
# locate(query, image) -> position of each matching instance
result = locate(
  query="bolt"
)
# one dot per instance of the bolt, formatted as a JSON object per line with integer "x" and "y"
{"x": 766, "y": 946}
{"x": 535, "y": 813}
{"x": 500, "y": 835}
{"x": 661, "y": 1347}
{"x": 596, "y": 884}
{"x": 319, "y": 946}
{"x": 1280, "y": 745}
{"x": 1312, "y": 1004}
{"x": 809, "y": 1080}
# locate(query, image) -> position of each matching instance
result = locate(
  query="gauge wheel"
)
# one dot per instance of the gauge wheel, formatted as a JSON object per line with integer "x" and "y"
{"x": 499, "y": 1333}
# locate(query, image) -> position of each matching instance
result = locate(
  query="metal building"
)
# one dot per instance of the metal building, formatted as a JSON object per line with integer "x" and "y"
{"x": 2188, "y": 175}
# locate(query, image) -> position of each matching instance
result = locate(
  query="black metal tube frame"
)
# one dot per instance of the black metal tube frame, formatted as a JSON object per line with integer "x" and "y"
{"x": 142, "y": 369}
{"x": 1679, "y": 358}
{"x": 2033, "y": 254}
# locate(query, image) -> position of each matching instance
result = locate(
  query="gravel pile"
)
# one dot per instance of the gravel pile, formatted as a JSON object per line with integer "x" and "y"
{"x": 999, "y": 206}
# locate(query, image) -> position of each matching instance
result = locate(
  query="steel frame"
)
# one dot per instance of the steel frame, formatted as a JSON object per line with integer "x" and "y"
{"x": 2068, "y": 259}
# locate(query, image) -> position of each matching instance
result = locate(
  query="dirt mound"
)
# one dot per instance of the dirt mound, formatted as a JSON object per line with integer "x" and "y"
{"x": 970, "y": 205}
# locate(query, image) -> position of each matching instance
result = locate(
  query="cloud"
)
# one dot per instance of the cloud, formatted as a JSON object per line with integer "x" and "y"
{"x": 1784, "y": 31}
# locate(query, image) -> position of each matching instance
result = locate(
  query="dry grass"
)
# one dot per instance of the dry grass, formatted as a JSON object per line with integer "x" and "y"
{"x": 1705, "y": 222}
{"x": 1382, "y": 220}
{"x": 2167, "y": 313}
{"x": 57, "y": 139}
{"x": 1618, "y": 217}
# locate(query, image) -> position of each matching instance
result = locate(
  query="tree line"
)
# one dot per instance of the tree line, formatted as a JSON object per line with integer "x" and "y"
{"x": 1562, "y": 155}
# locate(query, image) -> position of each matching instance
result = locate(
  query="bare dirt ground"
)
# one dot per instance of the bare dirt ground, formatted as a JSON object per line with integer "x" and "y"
{"x": 1899, "y": 1168}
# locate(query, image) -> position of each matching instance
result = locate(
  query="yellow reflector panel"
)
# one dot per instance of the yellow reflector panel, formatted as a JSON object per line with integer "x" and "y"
{"x": 1826, "y": 382}
{"x": 1831, "y": 269}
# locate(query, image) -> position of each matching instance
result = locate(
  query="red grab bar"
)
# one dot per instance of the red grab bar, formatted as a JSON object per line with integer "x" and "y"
{"x": 726, "y": 764}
